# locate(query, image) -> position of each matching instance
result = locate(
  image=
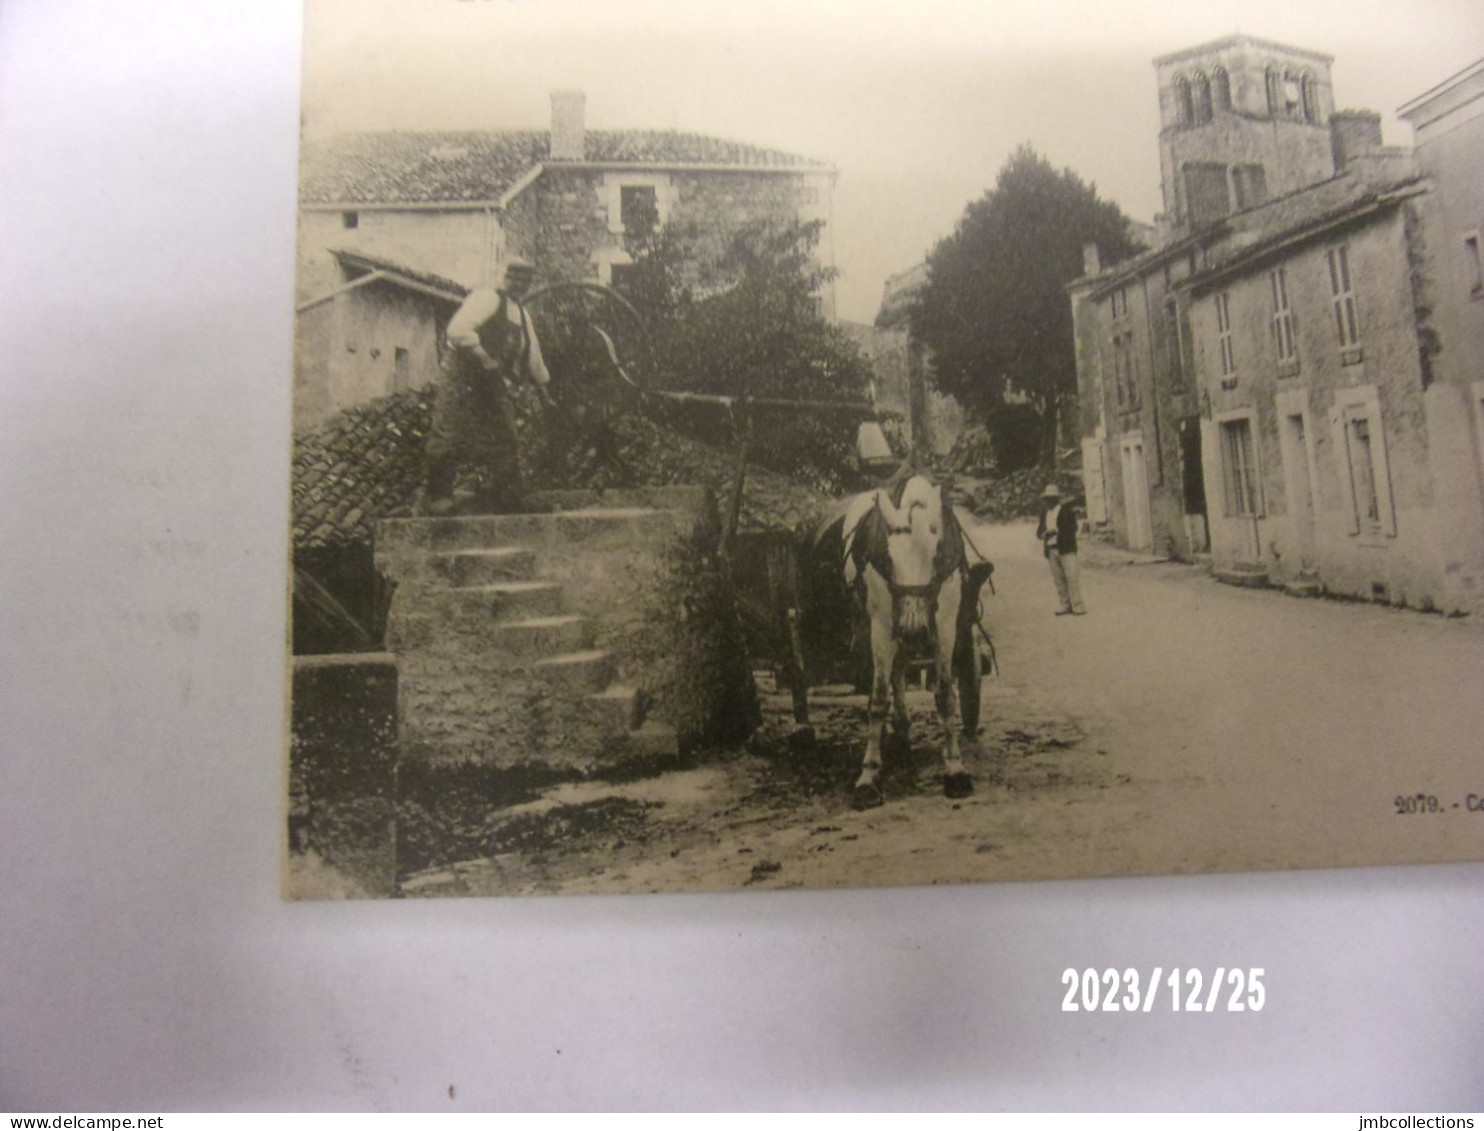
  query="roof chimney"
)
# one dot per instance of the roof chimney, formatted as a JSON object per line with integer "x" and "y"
{"x": 1353, "y": 132}
{"x": 1091, "y": 264}
{"x": 568, "y": 125}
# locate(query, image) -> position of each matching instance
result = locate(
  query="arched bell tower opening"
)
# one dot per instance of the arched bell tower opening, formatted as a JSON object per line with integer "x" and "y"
{"x": 1241, "y": 120}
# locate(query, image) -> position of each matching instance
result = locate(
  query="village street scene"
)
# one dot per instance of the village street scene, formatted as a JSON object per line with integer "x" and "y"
{"x": 1104, "y": 752}
{"x": 628, "y": 557}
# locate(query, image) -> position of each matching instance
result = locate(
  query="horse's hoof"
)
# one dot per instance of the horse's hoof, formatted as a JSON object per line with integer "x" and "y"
{"x": 957, "y": 785}
{"x": 867, "y": 797}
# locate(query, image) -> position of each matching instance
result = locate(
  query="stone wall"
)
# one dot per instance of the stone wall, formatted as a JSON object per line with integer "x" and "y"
{"x": 1166, "y": 395}
{"x": 342, "y": 765}
{"x": 1397, "y": 560}
{"x": 346, "y": 350}
{"x": 461, "y": 244}
{"x": 562, "y": 222}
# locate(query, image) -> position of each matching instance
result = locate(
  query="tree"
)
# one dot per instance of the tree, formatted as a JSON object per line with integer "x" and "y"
{"x": 994, "y": 313}
{"x": 747, "y": 323}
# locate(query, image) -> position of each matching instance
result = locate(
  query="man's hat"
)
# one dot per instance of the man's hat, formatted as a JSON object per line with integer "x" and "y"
{"x": 1052, "y": 492}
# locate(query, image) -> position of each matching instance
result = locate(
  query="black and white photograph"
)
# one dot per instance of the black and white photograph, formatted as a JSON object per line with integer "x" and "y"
{"x": 676, "y": 555}
{"x": 846, "y": 449}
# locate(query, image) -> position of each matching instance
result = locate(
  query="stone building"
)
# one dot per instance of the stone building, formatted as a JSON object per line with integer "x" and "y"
{"x": 374, "y": 334}
{"x": 1448, "y": 125}
{"x": 1241, "y": 119}
{"x": 1288, "y": 382}
{"x": 932, "y": 422}
{"x": 456, "y": 205}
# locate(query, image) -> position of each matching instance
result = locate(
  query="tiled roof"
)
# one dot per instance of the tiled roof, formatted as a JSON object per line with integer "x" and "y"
{"x": 1252, "y": 234}
{"x": 366, "y": 464}
{"x": 1241, "y": 236}
{"x": 361, "y": 465}
{"x": 478, "y": 165}
{"x": 359, "y": 259}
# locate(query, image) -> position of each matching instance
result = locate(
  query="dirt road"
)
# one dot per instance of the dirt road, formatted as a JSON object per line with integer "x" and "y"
{"x": 1182, "y": 726}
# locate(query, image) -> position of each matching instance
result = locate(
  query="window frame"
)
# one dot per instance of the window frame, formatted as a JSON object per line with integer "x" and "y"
{"x": 1221, "y": 88}
{"x": 1343, "y": 303}
{"x": 611, "y": 195}
{"x": 1284, "y": 338}
{"x": 1225, "y": 341}
{"x": 1361, "y": 406}
{"x": 1184, "y": 101}
{"x": 1241, "y": 470}
{"x": 1201, "y": 91}
{"x": 1176, "y": 334}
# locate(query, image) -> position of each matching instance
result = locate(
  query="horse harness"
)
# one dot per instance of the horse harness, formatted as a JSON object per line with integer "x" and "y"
{"x": 868, "y": 547}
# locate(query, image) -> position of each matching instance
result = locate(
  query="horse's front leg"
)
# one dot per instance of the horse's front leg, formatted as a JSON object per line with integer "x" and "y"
{"x": 883, "y": 658}
{"x": 901, "y": 724}
{"x": 956, "y": 779}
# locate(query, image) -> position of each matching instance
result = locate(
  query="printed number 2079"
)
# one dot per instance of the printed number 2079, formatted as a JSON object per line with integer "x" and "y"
{"x": 1189, "y": 990}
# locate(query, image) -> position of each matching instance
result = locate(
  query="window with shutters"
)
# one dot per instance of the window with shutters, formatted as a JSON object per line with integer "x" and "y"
{"x": 1360, "y": 452}
{"x": 1239, "y": 468}
{"x": 1176, "y": 335}
{"x": 1283, "y": 321}
{"x": 1226, "y": 348}
{"x": 1250, "y": 184}
{"x": 1342, "y": 304}
{"x": 1206, "y": 195}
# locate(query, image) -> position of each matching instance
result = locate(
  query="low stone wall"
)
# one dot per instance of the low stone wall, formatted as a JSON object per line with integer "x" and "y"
{"x": 342, "y": 765}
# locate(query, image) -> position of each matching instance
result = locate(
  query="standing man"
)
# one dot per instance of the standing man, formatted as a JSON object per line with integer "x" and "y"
{"x": 473, "y": 464}
{"x": 1058, "y": 533}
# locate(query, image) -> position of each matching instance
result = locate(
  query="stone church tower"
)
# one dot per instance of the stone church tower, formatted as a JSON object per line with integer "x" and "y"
{"x": 1241, "y": 120}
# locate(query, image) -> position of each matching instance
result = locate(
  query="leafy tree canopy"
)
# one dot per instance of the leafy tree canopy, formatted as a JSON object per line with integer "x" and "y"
{"x": 994, "y": 313}
{"x": 746, "y": 322}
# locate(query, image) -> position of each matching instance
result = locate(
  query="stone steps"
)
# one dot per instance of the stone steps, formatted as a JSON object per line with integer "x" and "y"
{"x": 521, "y": 640}
{"x": 495, "y": 667}
{"x": 505, "y": 601}
{"x": 461, "y": 568}
{"x": 1246, "y": 575}
{"x": 587, "y": 528}
{"x": 588, "y": 671}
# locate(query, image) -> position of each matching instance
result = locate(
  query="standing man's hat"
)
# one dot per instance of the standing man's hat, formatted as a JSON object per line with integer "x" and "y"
{"x": 1052, "y": 492}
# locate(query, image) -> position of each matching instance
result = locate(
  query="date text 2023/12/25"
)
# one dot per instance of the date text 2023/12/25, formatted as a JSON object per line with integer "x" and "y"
{"x": 1234, "y": 990}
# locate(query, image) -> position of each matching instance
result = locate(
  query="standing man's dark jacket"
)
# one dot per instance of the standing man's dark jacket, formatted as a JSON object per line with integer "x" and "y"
{"x": 1066, "y": 529}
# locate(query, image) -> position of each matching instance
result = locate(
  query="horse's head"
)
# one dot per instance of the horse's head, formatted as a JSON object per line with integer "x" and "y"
{"x": 914, "y": 537}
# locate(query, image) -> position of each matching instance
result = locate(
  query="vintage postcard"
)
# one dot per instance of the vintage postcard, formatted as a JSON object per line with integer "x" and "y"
{"x": 748, "y": 448}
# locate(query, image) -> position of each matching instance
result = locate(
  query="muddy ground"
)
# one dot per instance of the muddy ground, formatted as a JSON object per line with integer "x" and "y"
{"x": 780, "y": 816}
{"x": 1182, "y": 726}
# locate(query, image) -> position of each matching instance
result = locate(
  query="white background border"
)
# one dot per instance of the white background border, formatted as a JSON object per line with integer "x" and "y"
{"x": 147, "y": 168}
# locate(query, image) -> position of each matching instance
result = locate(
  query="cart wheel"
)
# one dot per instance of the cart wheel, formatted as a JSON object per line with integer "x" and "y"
{"x": 597, "y": 350}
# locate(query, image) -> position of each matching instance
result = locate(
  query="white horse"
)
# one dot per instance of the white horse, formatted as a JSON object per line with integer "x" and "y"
{"x": 903, "y": 548}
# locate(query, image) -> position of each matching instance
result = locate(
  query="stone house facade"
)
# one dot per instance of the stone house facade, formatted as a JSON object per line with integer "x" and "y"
{"x": 1310, "y": 365}
{"x": 374, "y": 334}
{"x": 930, "y": 422}
{"x": 1242, "y": 120}
{"x": 457, "y": 205}
{"x": 1448, "y": 125}
{"x": 1137, "y": 402}
{"x": 1289, "y": 382}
